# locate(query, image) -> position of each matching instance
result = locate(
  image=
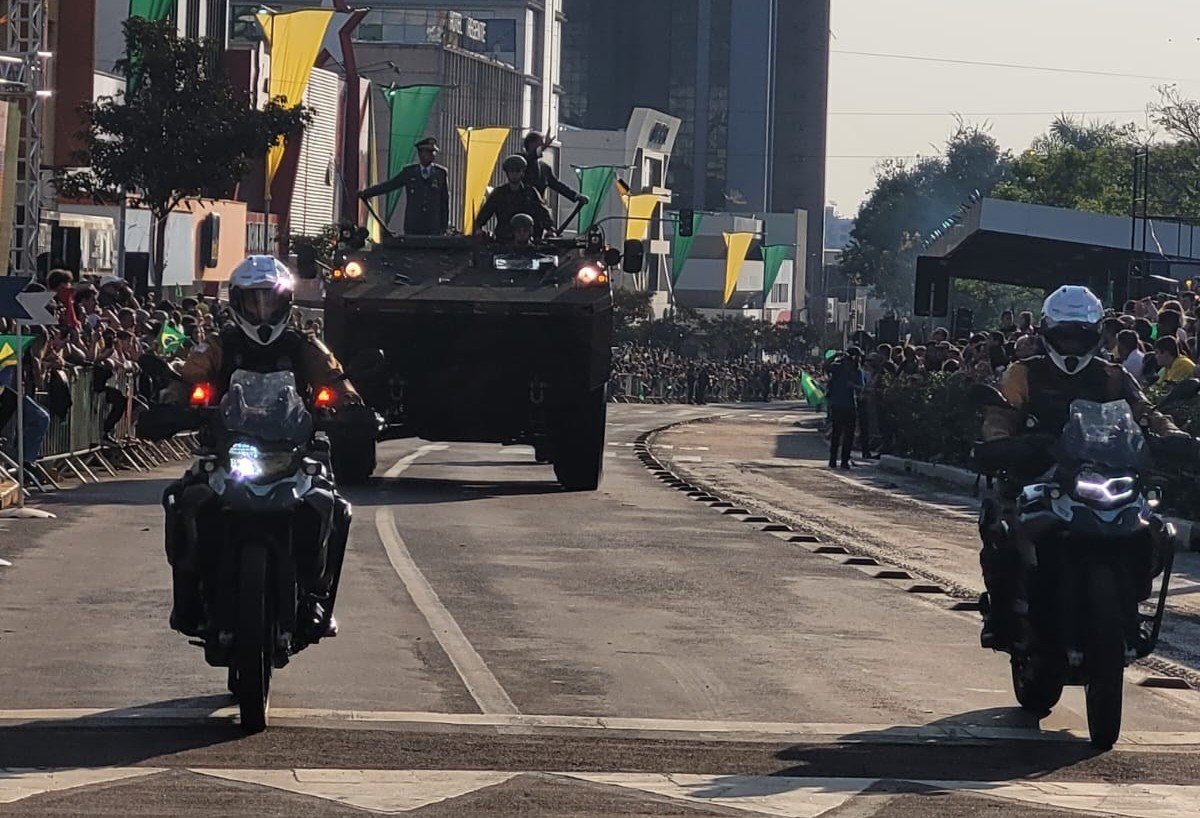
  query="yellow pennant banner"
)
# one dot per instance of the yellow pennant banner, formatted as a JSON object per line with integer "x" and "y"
{"x": 736, "y": 247}
{"x": 294, "y": 38}
{"x": 482, "y": 146}
{"x": 639, "y": 209}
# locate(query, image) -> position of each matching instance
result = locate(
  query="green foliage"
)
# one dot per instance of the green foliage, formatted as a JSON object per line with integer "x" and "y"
{"x": 184, "y": 131}
{"x": 933, "y": 418}
{"x": 631, "y": 309}
{"x": 910, "y": 200}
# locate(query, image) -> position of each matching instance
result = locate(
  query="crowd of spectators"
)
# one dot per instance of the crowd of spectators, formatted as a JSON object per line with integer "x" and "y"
{"x": 122, "y": 350}
{"x": 643, "y": 373}
{"x": 1154, "y": 339}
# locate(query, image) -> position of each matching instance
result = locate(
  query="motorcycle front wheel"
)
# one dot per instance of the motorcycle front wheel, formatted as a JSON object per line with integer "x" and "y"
{"x": 1105, "y": 658}
{"x": 252, "y": 641}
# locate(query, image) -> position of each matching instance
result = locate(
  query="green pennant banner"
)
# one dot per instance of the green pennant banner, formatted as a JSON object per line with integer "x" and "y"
{"x": 11, "y": 349}
{"x": 773, "y": 256}
{"x": 681, "y": 248}
{"x": 155, "y": 11}
{"x": 595, "y": 183}
{"x": 410, "y": 108}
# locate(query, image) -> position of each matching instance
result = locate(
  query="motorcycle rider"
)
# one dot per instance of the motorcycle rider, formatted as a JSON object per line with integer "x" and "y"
{"x": 1043, "y": 387}
{"x": 515, "y": 197}
{"x": 260, "y": 339}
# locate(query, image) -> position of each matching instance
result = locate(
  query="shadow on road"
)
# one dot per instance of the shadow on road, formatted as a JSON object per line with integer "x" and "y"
{"x": 118, "y": 737}
{"x": 430, "y": 491}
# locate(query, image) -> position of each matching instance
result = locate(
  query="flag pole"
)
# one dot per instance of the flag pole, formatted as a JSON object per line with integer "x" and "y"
{"x": 20, "y": 424}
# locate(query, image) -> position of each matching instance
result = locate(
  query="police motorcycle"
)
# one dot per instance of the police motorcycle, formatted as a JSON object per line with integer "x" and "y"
{"x": 263, "y": 479}
{"x": 1088, "y": 547}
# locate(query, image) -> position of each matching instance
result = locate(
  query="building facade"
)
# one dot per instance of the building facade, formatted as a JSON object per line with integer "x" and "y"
{"x": 748, "y": 79}
{"x": 525, "y": 35}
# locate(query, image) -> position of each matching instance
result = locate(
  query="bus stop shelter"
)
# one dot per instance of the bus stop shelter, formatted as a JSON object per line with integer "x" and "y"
{"x": 1045, "y": 247}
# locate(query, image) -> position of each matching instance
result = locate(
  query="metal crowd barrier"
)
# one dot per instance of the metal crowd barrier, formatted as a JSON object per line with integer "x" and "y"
{"x": 628, "y": 388}
{"x": 75, "y": 445}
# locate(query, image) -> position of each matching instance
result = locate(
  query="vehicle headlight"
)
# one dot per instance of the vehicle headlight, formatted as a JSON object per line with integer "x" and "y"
{"x": 590, "y": 276}
{"x": 1107, "y": 491}
{"x": 248, "y": 462}
{"x": 355, "y": 269}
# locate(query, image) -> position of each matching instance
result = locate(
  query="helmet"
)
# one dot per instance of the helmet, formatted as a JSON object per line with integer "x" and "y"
{"x": 260, "y": 297}
{"x": 521, "y": 221}
{"x": 1071, "y": 318}
{"x": 515, "y": 164}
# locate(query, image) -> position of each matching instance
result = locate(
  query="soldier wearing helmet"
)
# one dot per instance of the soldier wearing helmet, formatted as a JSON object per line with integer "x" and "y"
{"x": 1043, "y": 387}
{"x": 538, "y": 172}
{"x": 515, "y": 197}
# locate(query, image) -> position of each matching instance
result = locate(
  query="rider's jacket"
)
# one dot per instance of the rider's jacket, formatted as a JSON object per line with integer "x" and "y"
{"x": 314, "y": 365}
{"x": 1039, "y": 388}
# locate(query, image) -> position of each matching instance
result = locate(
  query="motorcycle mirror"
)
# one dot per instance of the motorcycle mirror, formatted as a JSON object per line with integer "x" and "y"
{"x": 365, "y": 364}
{"x": 634, "y": 256}
{"x": 980, "y": 394}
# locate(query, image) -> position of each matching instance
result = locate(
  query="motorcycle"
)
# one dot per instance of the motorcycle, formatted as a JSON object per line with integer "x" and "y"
{"x": 263, "y": 478}
{"x": 1087, "y": 546}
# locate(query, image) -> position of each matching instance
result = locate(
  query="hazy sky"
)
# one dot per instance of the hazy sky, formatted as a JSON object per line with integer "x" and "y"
{"x": 1148, "y": 38}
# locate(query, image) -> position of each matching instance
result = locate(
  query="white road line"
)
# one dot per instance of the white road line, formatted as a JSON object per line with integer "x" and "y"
{"x": 687, "y": 458}
{"x": 773, "y": 732}
{"x": 479, "y": 681}
{"x": 403, "y": 463}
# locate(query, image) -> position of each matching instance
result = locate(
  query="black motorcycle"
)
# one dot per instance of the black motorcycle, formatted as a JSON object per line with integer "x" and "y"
{"x": 1084, "y": 554}
{"x": 262, "y": 504}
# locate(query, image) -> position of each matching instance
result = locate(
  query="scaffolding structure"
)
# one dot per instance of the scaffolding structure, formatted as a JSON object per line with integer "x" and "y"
{"x": 23, "y": 80}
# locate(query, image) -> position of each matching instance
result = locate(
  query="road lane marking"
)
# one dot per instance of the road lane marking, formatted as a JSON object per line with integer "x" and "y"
{"x": 479, "y": 681}
{"x": 391, "y": 792}
{"x": 384, "y": 791}
{"x": 403, "y": 463}
{"x": 705, "y": 730}
{"x": 16, "y": 785}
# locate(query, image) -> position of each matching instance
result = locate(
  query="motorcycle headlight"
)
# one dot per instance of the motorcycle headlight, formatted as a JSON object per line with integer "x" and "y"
{"x": 248, "y": 462}
{"x": 1108, "y": 491}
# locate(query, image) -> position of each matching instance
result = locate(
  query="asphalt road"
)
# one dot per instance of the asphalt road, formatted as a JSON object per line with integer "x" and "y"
{"x": 511, "y": 649}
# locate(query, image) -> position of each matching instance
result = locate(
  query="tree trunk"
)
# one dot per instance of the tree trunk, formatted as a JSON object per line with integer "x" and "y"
{"x": 158, "y": 255}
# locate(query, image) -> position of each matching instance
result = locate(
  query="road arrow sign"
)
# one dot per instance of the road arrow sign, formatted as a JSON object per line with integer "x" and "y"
{"x": 40, "y": 307}
{"x": 10, "y": 288}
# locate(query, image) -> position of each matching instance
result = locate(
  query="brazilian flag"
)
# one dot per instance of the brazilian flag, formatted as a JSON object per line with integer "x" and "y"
{"x": 813, "y": 393}
{"x": 171, "y": 338}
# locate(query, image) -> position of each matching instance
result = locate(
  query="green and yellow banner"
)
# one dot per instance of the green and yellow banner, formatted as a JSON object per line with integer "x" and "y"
{"x": 595, "y": 183}
{"x": 813, "y": 393}
{"x": 294, "y": 39}
{"x": 639, "y": 209}
{"x": 681, "y": 248}
{"x": 482, "y": 146}
{"x": 736, "y": 247}
{"x": 410, "y": 108}
{"x": 773, "y": 256}
{"x": 153, "y": 10}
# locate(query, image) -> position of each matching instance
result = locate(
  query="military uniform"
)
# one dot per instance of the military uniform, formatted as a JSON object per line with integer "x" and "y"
{"x": 541, "y": 177}
{"x": 427, "y": 211}
{"x": 505, "y": 202}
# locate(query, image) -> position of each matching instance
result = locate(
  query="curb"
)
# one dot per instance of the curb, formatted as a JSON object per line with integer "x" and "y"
{"x": 1159, "y": 672}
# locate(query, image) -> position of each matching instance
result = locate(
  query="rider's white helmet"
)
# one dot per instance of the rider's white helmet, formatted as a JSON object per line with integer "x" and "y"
{"x": 260, "y": 296}
{"x": 1070, "y": 331}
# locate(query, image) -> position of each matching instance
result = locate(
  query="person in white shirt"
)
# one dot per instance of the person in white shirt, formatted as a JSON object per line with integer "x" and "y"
{"x": 1130, "y": 354}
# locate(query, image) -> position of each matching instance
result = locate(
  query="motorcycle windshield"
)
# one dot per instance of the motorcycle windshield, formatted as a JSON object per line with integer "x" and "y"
{"x": 267, "y": 407}
{"x": 1105, "y": 434}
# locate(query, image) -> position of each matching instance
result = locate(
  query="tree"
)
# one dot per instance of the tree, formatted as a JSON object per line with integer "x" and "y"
{"x": 631, "y": 308}
{"x": 909, "y": 201}
{"x": 1077, "y": 165}
{"x": 182, "y": 131}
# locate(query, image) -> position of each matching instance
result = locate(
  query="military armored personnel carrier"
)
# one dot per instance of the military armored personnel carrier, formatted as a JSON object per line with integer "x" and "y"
{"x": 481, "y": 342}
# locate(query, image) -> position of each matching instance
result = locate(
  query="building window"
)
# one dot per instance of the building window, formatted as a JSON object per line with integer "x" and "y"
{"x": 779, "y": 293}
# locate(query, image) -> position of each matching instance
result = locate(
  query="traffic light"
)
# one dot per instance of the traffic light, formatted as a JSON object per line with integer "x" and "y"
{"x": 687, "y": 221}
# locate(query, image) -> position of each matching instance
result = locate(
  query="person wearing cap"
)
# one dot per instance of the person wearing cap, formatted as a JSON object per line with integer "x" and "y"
{"x": 538, "y": 173}
{"x": 427, "y": 186}
{"x": 846, "y": 383}
{"x": 508, "y": 200}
